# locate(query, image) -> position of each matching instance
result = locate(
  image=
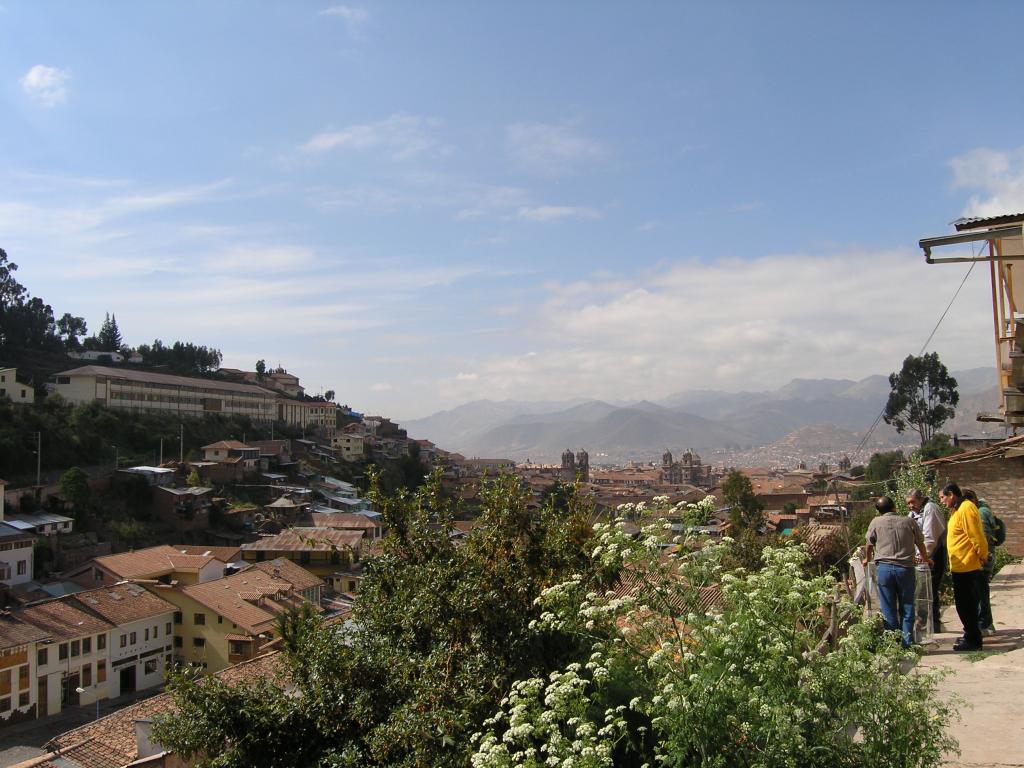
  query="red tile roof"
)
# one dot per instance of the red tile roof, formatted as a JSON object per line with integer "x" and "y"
{"x": 122, "y": 603}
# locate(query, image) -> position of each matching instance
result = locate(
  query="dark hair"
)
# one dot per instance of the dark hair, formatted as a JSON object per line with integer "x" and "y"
{"x": 884, "y": 504}
{"x": 970, "y": 495}
{"x": 952, "y": 489}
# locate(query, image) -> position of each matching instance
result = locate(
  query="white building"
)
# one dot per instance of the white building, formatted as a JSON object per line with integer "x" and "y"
{"x": 16, "y": 557}
{"x": 141, "y": 642}
{"x": 131, "y": 390}
{"x": 72, "y": 656}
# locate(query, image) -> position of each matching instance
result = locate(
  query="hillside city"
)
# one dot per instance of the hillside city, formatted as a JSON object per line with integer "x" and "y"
{"x": 511, "y": 385}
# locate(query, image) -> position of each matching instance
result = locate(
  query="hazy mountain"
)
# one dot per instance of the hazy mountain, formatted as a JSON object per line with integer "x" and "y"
{"x": 458, "y": 426}
{"x": 839, "y": 410}
{"x": 622, "y": 433}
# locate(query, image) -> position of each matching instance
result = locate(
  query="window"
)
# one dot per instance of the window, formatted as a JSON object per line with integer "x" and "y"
{"x": 5, "y": 704}
{"x": 124, "y": 641}
{"x": 86, "y": 675}
{"x": 41, "y": 657}
{"x": 5, "y": 682}
{"x": 133, "y": 638}
{"x": 238, "y": 647}
{"x": 62, "y": 651}
{"x": 155, "y": 632}
{"x": 101, "y": 671}
{"x": 177, "y": 641}
{"x": 86, "y": 645}
{"x": 199, "y": 619}
{"x": 304, "y": 558}
{"x": 75, "y": 648}
{"x": 101, "y": 642}
{"x": 177, "y": 617}
{"x": 220, "y": 619}
{"x": 150, "y": 667}
{"x": 146, "y": 636}
{"x": 22, "y": 567}
{"x": 167, "y": 629}
{"x": 23, "y": 677}
{"x": 199, "y": 642}
{"x": 23, "y": 699}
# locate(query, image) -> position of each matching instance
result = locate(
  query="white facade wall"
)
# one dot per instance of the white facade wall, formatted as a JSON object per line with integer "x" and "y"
{"x": 212, "y": 570}
{"x": 139, "y": 652}
{"x": 84, "y": 668}
{"x": 16, "y": 562}
{"x": 181, "y": 399}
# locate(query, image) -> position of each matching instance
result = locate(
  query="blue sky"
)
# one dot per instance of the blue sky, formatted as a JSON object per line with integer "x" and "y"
{"x": 420, "y": 204}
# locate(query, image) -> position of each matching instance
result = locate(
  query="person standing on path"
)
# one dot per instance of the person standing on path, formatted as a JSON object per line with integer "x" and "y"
{"x": 932, "y": 522}
{"x": 891, "y": 539}
{"x": 968, "y": 550}
{"x": 988, "y": 525}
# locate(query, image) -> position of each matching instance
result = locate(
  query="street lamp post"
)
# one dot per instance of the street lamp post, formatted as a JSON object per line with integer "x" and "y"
{"x": 80, "y": 690}
{"x": 117, "y": 464}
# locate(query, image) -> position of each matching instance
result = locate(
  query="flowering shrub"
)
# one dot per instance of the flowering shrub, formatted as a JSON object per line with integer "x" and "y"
{"x": 747, "y": 682}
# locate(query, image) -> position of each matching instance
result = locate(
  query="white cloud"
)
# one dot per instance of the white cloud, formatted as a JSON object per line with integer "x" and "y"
{"x": 548, "y": 149}
{"x": 352, "y": 16}
{"x": 999, "y": 177}
{"x": 733, "y": 324}
{"x": 47, "y": 85}
{"x": 556, "y": 212}
{"x": 404, "y": 136}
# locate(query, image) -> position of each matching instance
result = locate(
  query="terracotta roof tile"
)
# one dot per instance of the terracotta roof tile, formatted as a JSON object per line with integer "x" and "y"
{"x": 122, "y": 603}
{"x": 305, "y": 539}
{"x": 110, "y": 741}
{"x": 149, "y": 562}
{"x": 62, "y": 620}
{"x": 294, "y": 574}
{"x": 14, "y": 632}
{"x": 344, "y": 521}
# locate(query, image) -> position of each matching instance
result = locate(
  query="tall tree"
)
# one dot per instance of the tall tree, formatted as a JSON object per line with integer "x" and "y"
{"x": 70, "y": 329}
{"x": 746, "y": 508}
{"x": 261, "y": 368}
{"x": 923, "y": 396}
{"x": 110, "y": 335}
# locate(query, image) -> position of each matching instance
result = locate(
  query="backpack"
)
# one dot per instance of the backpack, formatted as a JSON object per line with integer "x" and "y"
{"x": 998, "y": 531}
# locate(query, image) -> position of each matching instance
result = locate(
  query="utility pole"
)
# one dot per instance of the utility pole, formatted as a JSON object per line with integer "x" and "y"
{"x": 181, "y": 444}
{"x": 161, "y": 452}
{"x": 39, "y": 458}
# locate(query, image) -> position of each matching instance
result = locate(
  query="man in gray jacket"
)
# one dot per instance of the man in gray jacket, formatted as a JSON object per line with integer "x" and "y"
{"x": 891, "y": 540}
{"x": 932, "y": 522}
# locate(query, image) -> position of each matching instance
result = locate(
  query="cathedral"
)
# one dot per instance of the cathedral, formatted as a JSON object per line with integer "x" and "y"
{"x": 689, "y": 470}
{"x": 573, "y": 466}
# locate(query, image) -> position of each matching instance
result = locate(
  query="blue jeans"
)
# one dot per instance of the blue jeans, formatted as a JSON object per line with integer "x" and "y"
{"x": 896, "y": 598}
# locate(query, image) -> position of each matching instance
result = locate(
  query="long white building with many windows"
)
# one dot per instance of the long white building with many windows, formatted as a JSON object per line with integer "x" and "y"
{"x": 130, "y": 390}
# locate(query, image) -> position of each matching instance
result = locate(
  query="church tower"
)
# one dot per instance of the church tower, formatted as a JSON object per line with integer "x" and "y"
{"x": 583, "y": 465}
{"x": 568, "y": 466}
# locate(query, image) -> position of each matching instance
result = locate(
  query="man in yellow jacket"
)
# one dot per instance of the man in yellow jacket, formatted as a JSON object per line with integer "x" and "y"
{"x": 967, "y": 548}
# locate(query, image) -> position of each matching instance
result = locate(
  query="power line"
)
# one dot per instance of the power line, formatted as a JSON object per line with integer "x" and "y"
{"x": 878, "y": 419}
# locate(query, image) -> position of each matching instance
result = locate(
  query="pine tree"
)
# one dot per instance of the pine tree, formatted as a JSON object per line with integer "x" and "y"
{"x": 109, "y": 335}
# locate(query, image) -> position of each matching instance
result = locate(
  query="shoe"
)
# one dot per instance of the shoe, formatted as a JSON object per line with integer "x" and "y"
{"x": 963, "y": 644}
{"x": 988, "y": 631}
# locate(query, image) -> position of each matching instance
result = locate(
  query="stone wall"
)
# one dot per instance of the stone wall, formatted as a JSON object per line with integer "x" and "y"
{"x": 1001, "y": 483}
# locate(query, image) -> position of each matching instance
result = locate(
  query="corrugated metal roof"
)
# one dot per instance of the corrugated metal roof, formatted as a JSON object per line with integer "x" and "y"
{"x": 970, "y": 222}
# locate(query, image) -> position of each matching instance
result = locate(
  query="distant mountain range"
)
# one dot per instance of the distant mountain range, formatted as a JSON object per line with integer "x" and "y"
{"x": 802, "y": 420}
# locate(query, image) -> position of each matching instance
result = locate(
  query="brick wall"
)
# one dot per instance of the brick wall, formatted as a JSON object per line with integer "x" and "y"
{"x": 1001, "y": 483}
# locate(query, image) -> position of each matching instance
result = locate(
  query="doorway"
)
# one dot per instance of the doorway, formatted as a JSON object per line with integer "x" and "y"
{"x": 128, "y": 680}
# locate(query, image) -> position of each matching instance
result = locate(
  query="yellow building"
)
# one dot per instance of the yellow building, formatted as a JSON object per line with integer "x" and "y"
{"x": 318, "y": 550}
{"x": 18, "y": 392}
{"x": 226, "y": 621}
